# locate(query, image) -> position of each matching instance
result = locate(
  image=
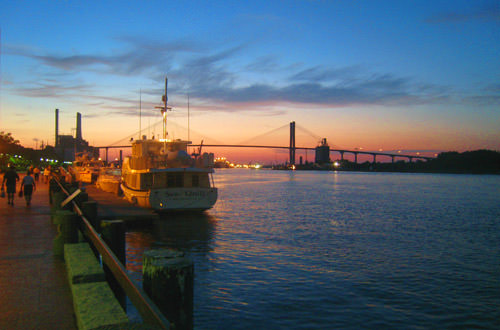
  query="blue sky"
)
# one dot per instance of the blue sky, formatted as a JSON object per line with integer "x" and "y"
{"x": 374, "y": 74}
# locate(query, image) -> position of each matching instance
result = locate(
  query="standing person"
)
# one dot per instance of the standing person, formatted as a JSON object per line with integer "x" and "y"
{"x": 36, "y": 172}
{"x": 28, "y": 186}
{"x": 46, "y": 174}
{"x": 10, "y": 179}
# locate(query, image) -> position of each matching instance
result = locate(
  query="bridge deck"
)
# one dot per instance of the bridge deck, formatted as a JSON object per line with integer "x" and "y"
{"x": 354, "y": 152}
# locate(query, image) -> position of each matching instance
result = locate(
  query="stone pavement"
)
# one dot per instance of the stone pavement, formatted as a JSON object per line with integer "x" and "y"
{"x": 34, "y": 292}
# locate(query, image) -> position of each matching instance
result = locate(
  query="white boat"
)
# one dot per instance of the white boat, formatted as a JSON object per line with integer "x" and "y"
{"x": 160, "y": 174}
{"x": 109, "y": 180}
{"x": 85, "y": 168}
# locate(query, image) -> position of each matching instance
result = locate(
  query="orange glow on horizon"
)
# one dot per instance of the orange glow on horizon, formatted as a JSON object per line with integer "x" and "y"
{"x": 355, "y": 129}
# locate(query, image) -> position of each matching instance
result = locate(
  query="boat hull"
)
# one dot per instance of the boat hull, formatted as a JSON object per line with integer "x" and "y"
{"x": 172, "y": 199}
{"x": 85, "y": 176}
{"x": 112, "y": 186}
{"x": 109, "y": 180}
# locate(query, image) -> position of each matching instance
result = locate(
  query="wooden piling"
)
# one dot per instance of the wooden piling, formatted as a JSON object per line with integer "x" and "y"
{"x": 168, "y": 280}
{"x": 81, "y": 198}
{"x": 67, "y": 222}
{"x": 89, "y": 210}
{"x": 113, "y": 233}
{"x": 57, "y": 198}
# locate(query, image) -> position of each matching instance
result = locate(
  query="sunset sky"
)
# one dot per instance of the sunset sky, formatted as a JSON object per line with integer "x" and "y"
{"x": 390, "y": 75}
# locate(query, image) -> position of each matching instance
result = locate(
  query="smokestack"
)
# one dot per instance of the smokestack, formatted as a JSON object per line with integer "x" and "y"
{"x": 57, "y": 128}
{"x": 78, "y": 126}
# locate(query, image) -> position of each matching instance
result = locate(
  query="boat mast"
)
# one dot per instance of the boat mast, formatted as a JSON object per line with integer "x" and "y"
{"x": 164, "y": 110}
{"x": 140, "y": 113}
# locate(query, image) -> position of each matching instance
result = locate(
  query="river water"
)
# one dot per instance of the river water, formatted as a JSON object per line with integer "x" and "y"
{"x": 340, "y": 250}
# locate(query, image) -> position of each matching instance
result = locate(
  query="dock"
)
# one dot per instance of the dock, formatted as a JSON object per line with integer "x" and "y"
{"x": 50, "y": 277}
{"x": 113, "y": 207}
{"x": 34, "y": 290}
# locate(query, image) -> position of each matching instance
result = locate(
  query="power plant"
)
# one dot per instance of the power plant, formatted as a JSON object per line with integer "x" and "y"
{"x": 322, "y": 155}
{"x": 67, "y": 146}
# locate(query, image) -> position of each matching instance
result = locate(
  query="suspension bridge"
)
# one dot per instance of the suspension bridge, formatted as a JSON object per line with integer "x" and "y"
{"x": 292, "y": 147}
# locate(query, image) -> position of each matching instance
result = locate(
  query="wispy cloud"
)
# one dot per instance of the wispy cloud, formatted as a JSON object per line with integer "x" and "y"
{"x": 205, "y": 72}
{"x": 46, "y": 89}
{"x": 482, "y": 100}
{"x": 489, "y": 11}
{"x": 264, "y": 64}
{"x": 322, "y": 74}
{"x": 140, "y": 56}
{"x": 211, "y": 77}
{"x": 326, "y": 86}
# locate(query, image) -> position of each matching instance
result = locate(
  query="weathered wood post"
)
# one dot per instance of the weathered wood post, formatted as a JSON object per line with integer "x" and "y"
{"x": 57, "y": 198}
{"x": 168, "y": 280}
{"x": 89, "y": 210}
{"x": 81, "y": 198}
{"x": 113, "y": 233}
{"x": 67, "y": 222}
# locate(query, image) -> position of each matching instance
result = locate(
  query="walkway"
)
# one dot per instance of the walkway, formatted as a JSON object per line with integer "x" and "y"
{"x": 34, "y": 292}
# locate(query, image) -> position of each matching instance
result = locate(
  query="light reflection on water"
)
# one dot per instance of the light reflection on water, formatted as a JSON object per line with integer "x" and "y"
{"x": 306, "y": 250}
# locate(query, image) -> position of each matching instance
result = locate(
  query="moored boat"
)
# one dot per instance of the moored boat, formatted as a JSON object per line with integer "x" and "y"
{"x": 85, "y": 168}
{"x": 109, "y": 179}
{"x": 160, "y": 174}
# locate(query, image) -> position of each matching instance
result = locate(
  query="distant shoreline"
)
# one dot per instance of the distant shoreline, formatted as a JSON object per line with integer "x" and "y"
{"x": 469, "y": 162}
{"x": 386, "y": 171}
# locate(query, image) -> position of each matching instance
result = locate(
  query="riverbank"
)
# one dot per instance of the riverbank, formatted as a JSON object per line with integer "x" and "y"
{"x": 469, "y": 162}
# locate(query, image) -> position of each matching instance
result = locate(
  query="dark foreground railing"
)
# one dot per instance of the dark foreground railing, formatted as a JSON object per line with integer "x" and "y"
{"x": 146, "y": 308}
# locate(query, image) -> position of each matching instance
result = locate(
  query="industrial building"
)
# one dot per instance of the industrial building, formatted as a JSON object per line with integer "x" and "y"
{"x": 322, "y": 153}
{"x": 66, "y": 146}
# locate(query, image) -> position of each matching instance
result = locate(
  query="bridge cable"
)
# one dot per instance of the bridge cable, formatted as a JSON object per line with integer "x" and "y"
{"x": 262, "y": 135}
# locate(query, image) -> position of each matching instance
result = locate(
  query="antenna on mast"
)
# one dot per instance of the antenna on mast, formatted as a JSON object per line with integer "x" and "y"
{"x": 140, "y": 112}
{"x": 164, "y": 112}
{"x": 164, "y": 109}
{"x": 188, "y": 118}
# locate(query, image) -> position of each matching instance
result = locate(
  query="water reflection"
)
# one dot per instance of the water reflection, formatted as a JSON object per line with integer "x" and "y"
{"x": 191, "y": 233}
{"x": 186, "y": 232}
{"x": 136, "y": 243}
{"x": 315, "y": 250}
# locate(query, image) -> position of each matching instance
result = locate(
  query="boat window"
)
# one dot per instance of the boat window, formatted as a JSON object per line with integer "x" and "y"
{"x": 179, "y": 180}
{"x": 147, "y": 180}
{"x": 175, "y": 180}
{"x": 160, "y": 180}
{"x": 204, "y": 182}
{"x": 195, "y": 180}
{"x": 170, "y": 180}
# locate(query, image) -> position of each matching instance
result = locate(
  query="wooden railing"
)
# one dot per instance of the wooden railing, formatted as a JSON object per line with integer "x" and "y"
{"x": 146, "y": 308}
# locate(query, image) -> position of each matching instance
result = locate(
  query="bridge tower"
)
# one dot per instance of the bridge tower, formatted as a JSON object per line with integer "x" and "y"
{"x": 292, "y": 143}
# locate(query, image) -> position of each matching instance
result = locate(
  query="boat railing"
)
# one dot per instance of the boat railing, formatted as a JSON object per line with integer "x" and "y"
{"x": 144, "y": 305}
{"x": 212, "y": 179}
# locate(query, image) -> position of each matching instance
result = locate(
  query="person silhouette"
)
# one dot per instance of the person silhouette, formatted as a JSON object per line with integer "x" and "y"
{"x": 28, "y": 186}
{"x": 10, "y": 179}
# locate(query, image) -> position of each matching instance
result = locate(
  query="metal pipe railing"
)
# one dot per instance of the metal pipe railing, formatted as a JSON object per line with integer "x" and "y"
{"x": 146, "y": 308}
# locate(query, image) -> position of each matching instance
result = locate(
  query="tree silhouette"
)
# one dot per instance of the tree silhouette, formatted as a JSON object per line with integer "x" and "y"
{"x": 7, "y": 138}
